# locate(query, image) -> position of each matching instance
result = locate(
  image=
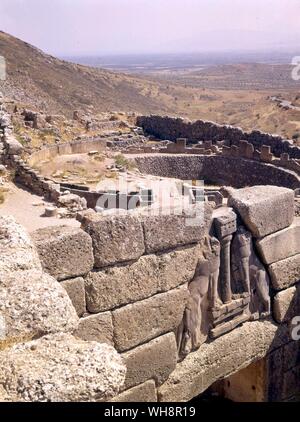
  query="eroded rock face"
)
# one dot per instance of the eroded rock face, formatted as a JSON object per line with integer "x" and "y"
{"x": 31, "y": 302}
{"x": 16, "y": 248}
{"x": 60, "y": 368}
{"x": 264, "y": 209}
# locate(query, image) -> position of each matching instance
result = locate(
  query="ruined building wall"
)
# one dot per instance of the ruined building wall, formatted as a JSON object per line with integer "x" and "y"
{"x": 232, "y": 171}
{"x": 129, "y": 277}
{"x": 168, "y": 128}
{"x": 75, "y": 147}
{"x": 37, "y": 319}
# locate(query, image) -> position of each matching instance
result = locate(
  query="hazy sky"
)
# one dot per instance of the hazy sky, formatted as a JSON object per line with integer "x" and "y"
{"x": 70, "y": 27}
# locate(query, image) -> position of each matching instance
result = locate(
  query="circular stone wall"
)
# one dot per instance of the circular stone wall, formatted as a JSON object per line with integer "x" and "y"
{"x": 231, "y": 171}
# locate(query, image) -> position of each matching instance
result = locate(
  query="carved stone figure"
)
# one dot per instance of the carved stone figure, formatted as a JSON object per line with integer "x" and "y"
{"x": 248, "y": 271}
{"x": 193, "y": 330}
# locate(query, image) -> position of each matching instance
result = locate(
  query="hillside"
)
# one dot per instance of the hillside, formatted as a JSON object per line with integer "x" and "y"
{"x": 55, "y": 85}
{"x": 237, "y": 94}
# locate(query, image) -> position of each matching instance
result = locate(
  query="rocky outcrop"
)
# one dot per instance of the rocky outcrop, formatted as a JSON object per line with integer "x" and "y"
{"x": 36, "y": 371}
{"x": 37, "y": 319}
{"x": 33, "y": 304}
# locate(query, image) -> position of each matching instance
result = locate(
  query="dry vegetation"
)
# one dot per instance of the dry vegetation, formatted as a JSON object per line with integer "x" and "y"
{"x": 233, "y": 94}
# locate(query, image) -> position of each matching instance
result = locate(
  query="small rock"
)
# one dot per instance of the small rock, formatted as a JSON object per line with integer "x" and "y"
{"x": 50, "y": 212}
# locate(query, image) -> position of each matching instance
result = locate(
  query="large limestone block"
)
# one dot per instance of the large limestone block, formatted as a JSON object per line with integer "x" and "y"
{"x": 142, "y": 321}
{"x": 154, "y": 360}
{"x": 115, "y": 238}
{"x": 219, "y": 359}
{"x": 17, "y": 251}
{"x": 264, "y": 209}
{"x": 33, "y": 304}
{"x": 116, "y": 286}
{"x": 144, "y": 393}
{"x": 97, "y": 327}
{"x": 280, "y": 245}
{"x": 65, "y": 252}
{"x": 285, "y": 273}
{"x": 163, "y": 232}
{"x": 76, "y": 291}
{"x": 287, "y": 304}
{"x": 60, "y": 368}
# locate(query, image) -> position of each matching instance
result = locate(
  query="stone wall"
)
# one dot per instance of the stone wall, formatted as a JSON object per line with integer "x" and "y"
{"x": 217, "y": 169}
{"x": 37, "y": 323}
{"x": 129, "y": 278}
{"x": 130, "y": 289}
{"x": 168, "y": 128}
{"x": 75, "y": 147}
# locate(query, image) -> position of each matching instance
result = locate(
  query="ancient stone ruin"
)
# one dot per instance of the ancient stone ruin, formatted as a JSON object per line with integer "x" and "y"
{"x": 149, "y": 308}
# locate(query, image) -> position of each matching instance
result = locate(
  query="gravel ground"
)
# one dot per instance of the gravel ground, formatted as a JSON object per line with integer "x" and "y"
{"x": 28, "y": 210}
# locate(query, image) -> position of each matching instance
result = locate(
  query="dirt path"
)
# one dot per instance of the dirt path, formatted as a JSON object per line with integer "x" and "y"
{"x": 28, "y": 210}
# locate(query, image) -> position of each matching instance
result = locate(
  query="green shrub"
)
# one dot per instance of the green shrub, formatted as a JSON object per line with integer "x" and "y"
{"x": 120, "y": 160}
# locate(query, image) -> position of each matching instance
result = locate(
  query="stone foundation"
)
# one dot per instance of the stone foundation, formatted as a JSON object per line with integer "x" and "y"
{"x": 171, "y": 129}
{"x": 135, "y": 299}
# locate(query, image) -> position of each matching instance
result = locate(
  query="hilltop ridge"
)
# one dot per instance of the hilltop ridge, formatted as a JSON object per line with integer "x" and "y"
{"x": 46, "y": 82}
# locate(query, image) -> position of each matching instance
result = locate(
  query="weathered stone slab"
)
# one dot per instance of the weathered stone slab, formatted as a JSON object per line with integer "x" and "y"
{"x": 116, "y": 286}
{"x": 264, "y": 209}
{"x": 218, "y": 359}
{"x": 36, "y": 371}
{"x": 33, "y": 304}
{"x": 227, "y": 326}
{"x": 115, "y": 238}
{"x": 285, "y": 273}
{"x": 154, "y": 360}
{"x": 96, "y": 328}
{"x": 280, "y": 245}
{"x": 169, "y": 231}
{"x": 287, "y": 304}
{"x": 65, "y": 251}
{"x": 144, "y": 393}
{"x": 76, "y": 292}
{"x": 16, "y": 248}
{"x": 142, "y": 321}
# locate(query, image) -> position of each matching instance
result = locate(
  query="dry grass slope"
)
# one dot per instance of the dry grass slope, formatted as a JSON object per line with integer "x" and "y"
{"x": 234, "y": 94}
